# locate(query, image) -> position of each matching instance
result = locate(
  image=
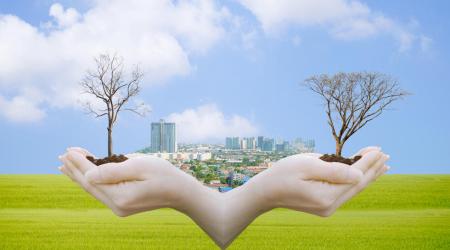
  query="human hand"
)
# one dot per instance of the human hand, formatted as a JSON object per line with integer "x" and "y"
{"x": 138, "y": 184}
{"x": 145, "y": 183}
{"x": 305, "y": 183}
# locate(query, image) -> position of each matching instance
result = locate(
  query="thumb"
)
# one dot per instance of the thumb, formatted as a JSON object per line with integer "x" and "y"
{"x": 112, "y": 173}
{"x": 367, "y": 160}
{"x": 336, "y": 173}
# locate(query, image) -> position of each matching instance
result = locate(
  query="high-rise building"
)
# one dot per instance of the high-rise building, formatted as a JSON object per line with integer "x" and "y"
{"x": 243, "y": 143}
{"x": 268, "y": 144}
{"x": 260, "y": 142}
{"x": 233, "y": 143}
{"x": 282, "y": 146}
{"x": 163, "y": 136}
{"x": 250, "y": 143}
{"x": 228, "y": 143}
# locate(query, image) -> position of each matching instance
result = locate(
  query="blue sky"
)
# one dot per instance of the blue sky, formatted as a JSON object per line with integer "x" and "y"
{"x": 233, "y": 65}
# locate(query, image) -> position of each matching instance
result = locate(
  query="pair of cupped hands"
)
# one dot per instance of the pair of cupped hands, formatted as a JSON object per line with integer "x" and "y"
{"x": 300, "y": 182}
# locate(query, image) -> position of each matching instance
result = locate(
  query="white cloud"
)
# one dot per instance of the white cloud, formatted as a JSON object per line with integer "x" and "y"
{"x": 275, "y": 14}
{"x": 64, "y": 18}
{"x": 208, "y": 123}
{"x": 20, "y": 109}
{"x": 345, "y": 20}
{"x": 159, "y": 35}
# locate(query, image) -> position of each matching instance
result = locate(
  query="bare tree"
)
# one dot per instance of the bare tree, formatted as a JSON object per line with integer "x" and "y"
{"x": 354, "y": 99}
{"x": 107, "y": 84}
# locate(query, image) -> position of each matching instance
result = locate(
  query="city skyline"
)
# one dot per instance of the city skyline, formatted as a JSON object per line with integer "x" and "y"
{"x": 268, "y": 144}
{"x": 164, "y": 140}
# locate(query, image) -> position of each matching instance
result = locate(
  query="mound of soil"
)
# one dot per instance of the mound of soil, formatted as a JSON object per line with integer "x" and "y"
{"x": 335, "y": 158}
{"x": 113, "y": 158}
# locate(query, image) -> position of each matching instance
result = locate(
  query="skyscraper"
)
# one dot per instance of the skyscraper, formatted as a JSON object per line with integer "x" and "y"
{"x": 228, "y": 143}
{"x": 268, "y": 144}
{"x": 282, "y": 146}
{"x": 243, "y": 143}
{"x": 260, "y": 142}
{"x": 250, "y": 143}
{"x": 233, "y": 143}
{"x": 164, "y": 137}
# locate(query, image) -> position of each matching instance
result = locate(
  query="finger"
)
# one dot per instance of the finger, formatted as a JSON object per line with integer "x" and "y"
{"x": 81, "y": 151}
{"x": 335, "y": 173}
{"x": 366, "y": 150}
{"x": 80, "y": 161}
{"x": 367, "y": 160}
{"x": 61, "y": 160}
{"x": 65, "y": 171}
{"x": 368, "y": 177}
{"x": 78, "y": 177}
{"x": 111, "y": 173}
{"x": 381, "y": 171}
{"x": 75, "y": 172}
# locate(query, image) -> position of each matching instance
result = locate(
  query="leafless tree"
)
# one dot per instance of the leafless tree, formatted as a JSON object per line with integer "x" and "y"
{"x": 353, "y": 99}
{"x": 112, "y": 91}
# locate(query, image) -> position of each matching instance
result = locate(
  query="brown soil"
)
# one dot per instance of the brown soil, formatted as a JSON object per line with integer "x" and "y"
{"x": 335, "y": 158}
{"x": 113, "y": 158}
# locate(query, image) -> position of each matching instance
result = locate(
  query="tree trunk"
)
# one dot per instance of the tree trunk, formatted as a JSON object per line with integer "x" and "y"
{"x": 339, "y": 146}
{"x": 110, "y": 146}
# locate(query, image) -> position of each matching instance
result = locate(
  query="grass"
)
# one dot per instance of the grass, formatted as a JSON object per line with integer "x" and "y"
{"x": 396, "y": 212}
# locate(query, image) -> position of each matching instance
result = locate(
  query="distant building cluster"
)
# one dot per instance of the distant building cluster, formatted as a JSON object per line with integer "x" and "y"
{"x": 237, "y": 143}
{"x": 221, "y": 167}
{"x": 164, "y": 140}
{"x": 302, "y": 145}
{"x": 268, "y": 144}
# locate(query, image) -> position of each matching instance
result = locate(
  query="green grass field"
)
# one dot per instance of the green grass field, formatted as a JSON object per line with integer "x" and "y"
{"x": 396, "y": 212}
